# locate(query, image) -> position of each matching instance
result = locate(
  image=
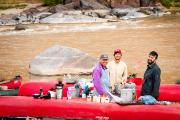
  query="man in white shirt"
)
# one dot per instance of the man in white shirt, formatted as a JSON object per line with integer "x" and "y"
{"x": 117, "y": 70}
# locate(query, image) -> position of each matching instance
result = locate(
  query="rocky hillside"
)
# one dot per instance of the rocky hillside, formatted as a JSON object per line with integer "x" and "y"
{"x": 73, "y": 11}
{"x": 108, "y": 3}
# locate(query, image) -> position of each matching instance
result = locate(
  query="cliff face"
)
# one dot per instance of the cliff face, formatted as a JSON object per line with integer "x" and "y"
{"x": 108, "y": 3}
{"x": 121, "y": 3}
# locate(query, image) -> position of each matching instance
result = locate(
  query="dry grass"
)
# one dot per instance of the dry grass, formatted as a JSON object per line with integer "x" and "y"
{"x": 8, "y": 6}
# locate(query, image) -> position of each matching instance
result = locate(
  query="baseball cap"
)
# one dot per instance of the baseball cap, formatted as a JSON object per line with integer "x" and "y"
{"x": 104, "y": 56}
{"x": 117, "y": 51}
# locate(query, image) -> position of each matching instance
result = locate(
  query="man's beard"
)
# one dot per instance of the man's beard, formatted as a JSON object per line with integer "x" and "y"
{"x": 117, "y": 59}
{"x": 150, "y": 62}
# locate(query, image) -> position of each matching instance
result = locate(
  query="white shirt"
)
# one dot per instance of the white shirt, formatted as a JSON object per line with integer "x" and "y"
{"x": 117, "y": 72}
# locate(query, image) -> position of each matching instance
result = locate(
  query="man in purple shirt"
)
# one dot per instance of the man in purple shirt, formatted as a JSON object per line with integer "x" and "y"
{"x": 101, "y": 77}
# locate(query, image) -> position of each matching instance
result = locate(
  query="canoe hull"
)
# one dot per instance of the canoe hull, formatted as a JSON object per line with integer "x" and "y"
{"x": 81, "y": 109}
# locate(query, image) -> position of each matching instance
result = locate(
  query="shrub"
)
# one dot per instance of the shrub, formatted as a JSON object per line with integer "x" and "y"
{"x": 167, "y": 3}
{"x": 52, "y": 2}
{"x": 177, "y": 5}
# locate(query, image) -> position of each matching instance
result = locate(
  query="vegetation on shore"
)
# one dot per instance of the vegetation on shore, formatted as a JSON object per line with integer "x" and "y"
{"x": 170, "y": 3}
{"x": 52, "y": 2}
{"x": 6, "y": 4}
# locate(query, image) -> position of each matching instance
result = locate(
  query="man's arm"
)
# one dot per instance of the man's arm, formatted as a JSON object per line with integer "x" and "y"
{"x": 97, "y": 81}
{"x": 155, "y": 92}
{"x": 108, "y": 68}
{"x": 125, "y": 74}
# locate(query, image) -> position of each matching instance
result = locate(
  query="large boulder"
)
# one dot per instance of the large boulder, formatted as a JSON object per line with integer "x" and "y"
{"x": 60, "y": 60}
{"x": 91, "y": 4}
{"x": 120, "y": 12}
{"x": 144, "y": 3}
{"x": 71, "y": 17}
{"x": 75, "y": 4}
{"x": 42, "y": 15}
{"x": 7, "y": 19}
{"x": 68, "y": 5}
{"x": 120, "y": 3}
{"x": 127, "y": 13}
{"x": 57, "y": 8}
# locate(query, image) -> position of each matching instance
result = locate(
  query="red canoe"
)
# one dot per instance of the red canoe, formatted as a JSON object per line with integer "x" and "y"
{"x": 23, "y": 106}
{"x": 168, "y": 92}
{"x": 12, "y": 84}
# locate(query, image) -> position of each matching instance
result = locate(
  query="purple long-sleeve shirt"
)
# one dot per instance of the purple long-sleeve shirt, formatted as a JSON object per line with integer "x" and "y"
{"x": 97, "y": 76}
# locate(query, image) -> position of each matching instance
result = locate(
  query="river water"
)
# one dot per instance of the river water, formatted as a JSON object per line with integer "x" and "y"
{"x": 135, "y": 37}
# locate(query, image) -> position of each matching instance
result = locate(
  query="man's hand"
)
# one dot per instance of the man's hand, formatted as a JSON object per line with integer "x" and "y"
{"x": 124, "y": 81}
{"x": 104, "y": 95}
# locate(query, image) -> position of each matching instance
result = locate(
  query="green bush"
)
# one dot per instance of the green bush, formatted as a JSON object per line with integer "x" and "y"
{"x": 52, "y": 2}
{"x": 177, "y": 5}
{"x": 176, "y": 0}
{"x": 167, "y": 3}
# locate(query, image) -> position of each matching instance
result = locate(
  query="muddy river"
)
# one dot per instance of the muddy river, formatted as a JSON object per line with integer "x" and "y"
{"x": 136, "y": 38}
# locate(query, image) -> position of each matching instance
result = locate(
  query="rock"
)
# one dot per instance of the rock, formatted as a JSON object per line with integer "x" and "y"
{"x": 110, "y": 17}
{"x": 105, "y": 2}
{"x": 68, "y": 1}
{"x": 96, "y": 13}
{"x": 70, "y": 18}
{"x": 60, "y": 60}
{"x": 24, "y": 17}
{"x": 178, "y": 14}
{"x": 119, "y": 12}
{"x": 7, "y": 19}
{"x": 167, "y": 13}
{"x": 127, "y": 13}
{"x": 120, "y": 3}
{"x": 7, "y": 22}
{"x": 31, "y": 11}
{"x": 57, "y": 8}
{"x": 91, "y": 4}
{"x": 42, "y": 15}
{"x": 72, "y": 12}
{"x": 90, "y": 13}
{"x": 70, "y": 5}
{"x": 132, "y": 15}
{"x": 20, "y": 27}
{"x": 1, "y": 22}
{"x": 75, "y": 4}
{"x": 145, "y": 3}
{"x": 28, "y": 15}
{"x": 134, "y": 3}
{"x": 103, "y": 13}
{"x": 147, "y": 10}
